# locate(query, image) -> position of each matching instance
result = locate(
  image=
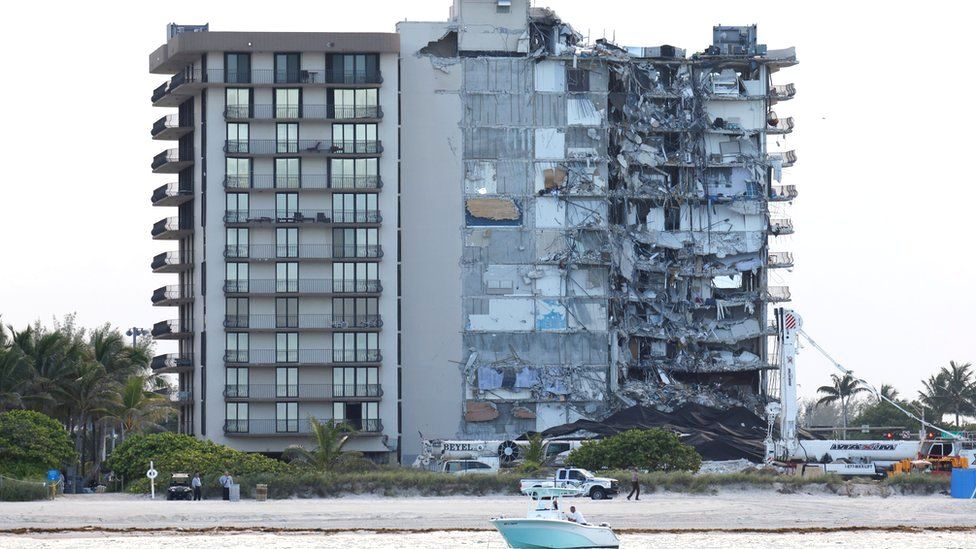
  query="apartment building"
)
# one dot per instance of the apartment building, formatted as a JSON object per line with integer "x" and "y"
{"x": 598, "y": 223}
{"x": 283, "y": 271}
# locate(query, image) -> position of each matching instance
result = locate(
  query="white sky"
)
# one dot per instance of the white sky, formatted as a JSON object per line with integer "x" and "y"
{"x": 883, "y": 245}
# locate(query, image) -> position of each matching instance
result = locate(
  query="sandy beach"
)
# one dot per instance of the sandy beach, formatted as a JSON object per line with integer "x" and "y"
{"x": 739, "y": 511}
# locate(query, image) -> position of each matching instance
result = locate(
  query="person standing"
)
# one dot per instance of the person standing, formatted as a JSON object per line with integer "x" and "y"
{"x": 196, "y": 484}
{"x": 225, "y": 481}
{"x": 634, "y": 485}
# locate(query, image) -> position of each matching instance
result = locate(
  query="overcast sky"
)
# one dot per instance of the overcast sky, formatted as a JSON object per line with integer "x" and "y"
{"x": 883, "y": 245}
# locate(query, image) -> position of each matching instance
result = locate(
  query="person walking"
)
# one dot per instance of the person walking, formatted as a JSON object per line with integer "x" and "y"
{"x": 225, "y": 481}
{"x": 196, "y": 484}
{"x": 634, "y": 485}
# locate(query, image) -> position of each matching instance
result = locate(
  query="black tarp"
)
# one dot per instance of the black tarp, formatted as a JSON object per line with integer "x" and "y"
{"x": 733, "y": 433}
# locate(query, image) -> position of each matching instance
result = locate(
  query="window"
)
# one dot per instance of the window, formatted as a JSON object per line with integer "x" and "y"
{"x": 236, "y": 417}
{"x": 237, "y": 208}
{"x": 286, "y": 312}
{"x": 577, "y": 80}
{"x": 236, "y": 279}
{"x": 286, "y": 347}
{"x": 286, "y": 242}
{"x": 354, "y": 173}
{"x": 238, "y": 103}
{"x": 672, "y": 218}
{"x": 237, "y": 240}
{"x": 355, "y": 347}
{"x": 237, "y": 137}
{"x": 355, "y": 312}
{"x": 503, "y": 6}
{"x": 288, "y": 173}
{"x": 238, "y": 173}
{"x": 286, "y": 277}
{"x": 286, "y": 206}
{"x": 354, "y": 138}
{"x": 286, "y": 382}
{"x": 353, "y": 68}
{"x": 287, "y": 103}
{"x": 355, "y": 208}
{"x": 236, "y": 383}
{"x": 354, "y": 103}
{"x": 362, "y": 416}
{"x": 355, "y": 242}
{"x": 287, "y": 68}
{"x": 355, "y": 277}
{"x": 286, "y": 414}
{"x": 237, "y": 68}
{"x": 236, "y": 347}
{"x": 287, "y": 138}
{"x": 355, "y": 382}
{"x": 237, "y": 312}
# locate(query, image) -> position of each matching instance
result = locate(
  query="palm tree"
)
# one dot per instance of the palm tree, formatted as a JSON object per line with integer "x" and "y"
{"x": 88, "y": 398}
{"x": 15, "y": 379}
{"x": 889, "y": 392}
{"x": 842, "y": 390}
{"x": 138, "y": 409}
{"x": 951, "y": 391}
{"x": 329, "y": 437}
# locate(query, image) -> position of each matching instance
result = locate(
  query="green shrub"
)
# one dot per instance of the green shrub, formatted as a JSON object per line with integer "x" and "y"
{"x": 650, "y": 449}
{"x": 31, "y": 443}
{"x": 18, "y": 490}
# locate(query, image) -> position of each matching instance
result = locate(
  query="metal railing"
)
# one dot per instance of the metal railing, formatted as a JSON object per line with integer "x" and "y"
{"x": 167, "y": 122}
{"x": 302, "y": 251}
{"x": 172, "y": 292}
{"x": 170, "y": 190}
{"x": 272, "y": 112}
{"x": 302, "y": 356}
{"x": 780, "y": 259}
{"x": 293, "y": 426}
{"x": 302, "y": 391}
{"x": 165, "y": 157}
{"x": 302, "y": 285}
{"x": 167, "y": 258}
{"x": 171, "y": 327}
{"x": 783, "y": 192}
{"x": 787, "y": 158}
{"x": 172, "y": 360}
{"x": 776, "y": 293}
{"x": 273, "y": 76}
{"x": 782, "y": 91}
{"x": 181, "y": 396}
{"x": 302, "y": 215}
{"x": 304, "y": 181}
{"x": 298, "y": 146}
{"x": 781, "y": 226}
{"x": 303, "y": 321}
{"x": 782, "y": 125}
{"x": 171, "y": 224}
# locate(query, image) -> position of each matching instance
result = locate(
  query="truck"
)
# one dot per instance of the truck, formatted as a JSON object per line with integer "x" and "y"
{"x": 589, "y": 484}
{"x": 846, "y": 457}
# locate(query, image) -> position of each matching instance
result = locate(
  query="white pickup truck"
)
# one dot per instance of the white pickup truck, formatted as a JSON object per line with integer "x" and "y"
{"x": 588, "y": 483}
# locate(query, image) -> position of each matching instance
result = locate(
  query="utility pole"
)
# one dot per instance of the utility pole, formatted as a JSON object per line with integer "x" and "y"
{"x": 135, "y": 333}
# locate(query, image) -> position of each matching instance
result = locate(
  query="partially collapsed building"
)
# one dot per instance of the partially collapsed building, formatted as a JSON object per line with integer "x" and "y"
{"x": 584, "y": 226}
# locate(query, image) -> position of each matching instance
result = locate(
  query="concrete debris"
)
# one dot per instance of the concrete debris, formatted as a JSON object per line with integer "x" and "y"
{"x": 498, "y": 209}
{"x": 521, "y": 412}
{"x": 475, "y": 411}
{"x": 727, "y": 467}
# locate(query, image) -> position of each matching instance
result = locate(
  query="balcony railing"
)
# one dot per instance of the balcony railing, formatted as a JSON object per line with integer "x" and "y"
{"x": 303, "y": 356}
{"x": 169, "y": 262}
{"x": 182, "y": 397}
{"x": 172, "y": 362}
{"x": 304, "y": 181}
{"x": 169, "y": 155}
{"x": 172, "y": 329}
{"x": 302, "y": 146}
{"x": 302, "y": 285}
{"x": 171, "y": 227}
{"x": 782, "y": 193}
{"x": 303, "y": 321}
{"x": 273, "y": 112}
{"x": 302, "y": 251}
{"x": 169, "y": 127}
{"x": 782, "y": 125}
{"x": 173, "y": 295}
{"x": 776, "y": 293}
{"x": 302, "y": 391}
{"x": 780, "y": 259}
{"x": 293, "y": 426}
{"x": 302, "y": 216}
{"x": 782, "y": 92}
{"x": 272, "y": 76}
{"x": 787, "y": 158}
{"x": 781, "y": 226}
{"x": 172, "y": 194}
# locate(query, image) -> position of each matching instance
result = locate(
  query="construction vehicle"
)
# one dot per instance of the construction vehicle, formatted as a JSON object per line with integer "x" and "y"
{"x": 497, "y": 453}
{"x": 850, "y": 457}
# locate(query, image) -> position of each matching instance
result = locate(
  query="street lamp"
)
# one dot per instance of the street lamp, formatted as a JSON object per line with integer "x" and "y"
{"x": 135, "y": 333}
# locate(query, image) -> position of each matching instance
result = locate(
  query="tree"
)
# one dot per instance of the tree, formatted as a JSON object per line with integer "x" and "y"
{"x": 31, "y": 443}
{"x": 139, "y": 410}
{"x": 653, "y": 449}
{"x": 329, "y": 438}
{"x": 841, "y": 391}
{"x": 951, "y": 391}
{"x": 889, "y": 392}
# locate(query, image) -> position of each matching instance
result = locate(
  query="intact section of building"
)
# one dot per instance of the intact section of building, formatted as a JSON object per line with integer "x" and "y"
{"x": 615, "y": 212}
{"x": 284, "y": 268}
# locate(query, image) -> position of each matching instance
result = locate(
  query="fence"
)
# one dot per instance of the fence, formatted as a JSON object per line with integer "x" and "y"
{"x": 12, "y": 489}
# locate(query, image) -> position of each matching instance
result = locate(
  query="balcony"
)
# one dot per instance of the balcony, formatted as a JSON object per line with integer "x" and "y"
{"x": 300, "y": 322}
{"x": 785, "y": 159}
{"x": 326, "y": 252}
{"x": 171, "y": 228}
{"x": 172, "y": 329}
{"x": 313, "y": 392}
{"x": 181, "y": 398}
{"x": 305, "y": 181}
{"x": 172, "y": 363}
{"x": 293, "y": 427}
{"x": 779, "y": 125}
{"x": 779, "y": 227}
{"x": 172, "y": 295}
{"x": 172, "y": 194}
{"x": 782, "y": 193}
{"x": 302, "y": 286}
{"x": 780, "y": 260}
{"x": 353, "y": 77}
{"x": 776, "y": 294}
{"x": 325, "y": 147}
{"x": 782, "y": 92}
{"x": 170, "y": 161}
{"x": 332, "y": 217}
{"x": 168, "y": 128}
{"x": 170, "y": 262}
{"x": 307, "y": 357}
{"x": 303, "y": 112}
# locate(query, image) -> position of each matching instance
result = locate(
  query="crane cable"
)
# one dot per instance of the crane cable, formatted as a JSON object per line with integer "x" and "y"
{"x": 873, "y": 389}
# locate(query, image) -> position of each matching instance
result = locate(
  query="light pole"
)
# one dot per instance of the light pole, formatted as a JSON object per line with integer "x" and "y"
{"x": 135, "y": 333}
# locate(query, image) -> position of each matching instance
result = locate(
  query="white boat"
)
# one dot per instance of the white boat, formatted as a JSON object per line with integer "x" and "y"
{"x": 547, "y": 527}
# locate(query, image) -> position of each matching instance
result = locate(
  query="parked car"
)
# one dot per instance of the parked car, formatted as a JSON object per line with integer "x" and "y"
{"x": 588, "y": 483}
{"x": 468, "y": 467}
{"x": 179, "y": 487}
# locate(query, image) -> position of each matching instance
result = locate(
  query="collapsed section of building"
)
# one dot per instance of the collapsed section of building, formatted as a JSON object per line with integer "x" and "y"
{"x": 618, "y": 210}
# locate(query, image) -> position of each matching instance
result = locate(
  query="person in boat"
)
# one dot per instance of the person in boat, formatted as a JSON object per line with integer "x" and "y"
{"x": 576, "y": 516}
